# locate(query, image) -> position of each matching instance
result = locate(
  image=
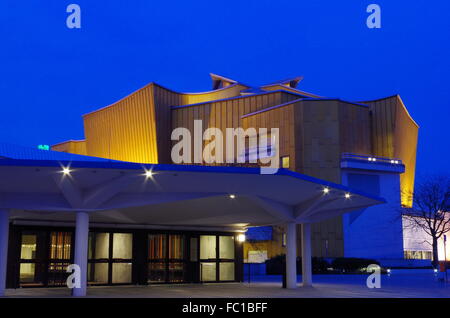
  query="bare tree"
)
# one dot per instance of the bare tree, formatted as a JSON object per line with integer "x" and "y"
{"x": 431, "y": 209}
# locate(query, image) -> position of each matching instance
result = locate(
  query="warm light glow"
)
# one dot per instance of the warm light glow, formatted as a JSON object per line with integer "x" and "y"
{"x": 66, "y": 170}
{"x": 232, "y": 196}
{"x": 241, "y": 238}
{"x": 149, "y": 173}
{"x": 347, "y": 195}
{"x": 326, "y": 190}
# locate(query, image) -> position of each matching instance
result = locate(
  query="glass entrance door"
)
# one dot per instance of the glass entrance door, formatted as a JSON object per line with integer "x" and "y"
{"x": 32, "y": 258}
{"x": 110, "y": 258}
{"x": 60, "y": 257}
{"x": 166, "y": 258}
{"x": 208, "y": 258}
{"x": 217, "y": 258}
{"x": 44, "y": 257}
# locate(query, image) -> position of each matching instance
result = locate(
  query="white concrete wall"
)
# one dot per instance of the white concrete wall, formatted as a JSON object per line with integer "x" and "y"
{"x": 416, "y": 239}
{"x": 375, "y": 232}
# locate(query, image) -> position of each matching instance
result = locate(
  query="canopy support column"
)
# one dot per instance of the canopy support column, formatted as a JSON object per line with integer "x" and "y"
{"x": 306, "y": 255}
{"x": 4, "y": 236}
{"x": 291, "y": 255}
{"x": 81, "y": 251}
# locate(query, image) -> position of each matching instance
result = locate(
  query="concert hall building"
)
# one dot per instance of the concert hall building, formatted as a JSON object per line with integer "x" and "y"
{"x": 117, "y": 205}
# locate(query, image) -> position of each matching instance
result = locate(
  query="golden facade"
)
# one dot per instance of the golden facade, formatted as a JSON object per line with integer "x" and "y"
{"x": 314, "y": 132}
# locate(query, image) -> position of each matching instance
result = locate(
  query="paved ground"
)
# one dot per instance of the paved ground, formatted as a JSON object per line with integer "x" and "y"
{"x": 394, "y": 285}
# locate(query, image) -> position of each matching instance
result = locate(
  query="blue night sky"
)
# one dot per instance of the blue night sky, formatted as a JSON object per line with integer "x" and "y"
{"x": 51, "y": 75}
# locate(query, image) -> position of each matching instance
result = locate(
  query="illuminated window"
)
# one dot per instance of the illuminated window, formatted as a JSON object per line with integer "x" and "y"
{"x": 217, "y": 258}
{"x": 60, "y": 245}
{"x": 226, "y": 247}
{"x": 166, "y": 257}
{"x": 285, "y": 162}
{"x": 110, "y": 258}
{"x": 418, "y": 254}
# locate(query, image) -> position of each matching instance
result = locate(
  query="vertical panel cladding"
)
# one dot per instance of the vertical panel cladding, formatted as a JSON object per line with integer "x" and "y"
{"x": 318, "y": 149}
{"x": 71, "y": 146}
{"x": 383, "y": 123}
{"x": 395, "y": 135}
{"x": 124, "y": 130}
{"x": 163, "y": 99}
{"x": 194, "y": 98}
{"x": 246, "y": 105}
{"x": 321, "y": 139}
{"x": 272, "y": 119}
{"x": 354, "y": 127}
{"x": 298, "y": 126}
{"x": 226, "y": 113}
{"x": 405, "y": 148}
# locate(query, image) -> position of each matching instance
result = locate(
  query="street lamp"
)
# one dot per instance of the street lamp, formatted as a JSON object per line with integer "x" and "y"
{"x": 445, "y": 257}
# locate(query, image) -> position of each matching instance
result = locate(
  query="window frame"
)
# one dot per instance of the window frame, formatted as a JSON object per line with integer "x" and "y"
{"x": 110, "y": 261}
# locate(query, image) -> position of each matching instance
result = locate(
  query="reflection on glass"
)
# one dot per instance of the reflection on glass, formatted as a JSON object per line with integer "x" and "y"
{"x": 176, "y": 246}
{"x": 28, "y": 248}
{"x": 207, "y": 247}
{"x": 98, "y": 273}
{"x": 176, "y": 272}
{"x": 121, "y": 273}
{"x": 60, "y": 245}
{"x": 27, "y": 272}
{"x": 226, "y": 247}
{"x": 57, "y": 274}
{"x": 226, "y": 271}
{"x": 98, "y": 245}
{"x": 157, "y": 246}
{"x": 123, "y": 245}
{"x": 157, "y": 272}
{"x": 208, "y": 272}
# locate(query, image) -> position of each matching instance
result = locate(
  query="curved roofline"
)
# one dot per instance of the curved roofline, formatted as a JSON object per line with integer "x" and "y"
{"x": 119, "y": 100}
{"x": 407, "y": 112}
{"x": 235, "y": 97}
{"x": 182, "y": 168}
{"x": 297, "y": 79}
{"x": 213, "y": 76}
{"x": 401, "y": 101}
{"x": 378, "y": 99}
{"x": 298, "y": 100}
{"x": 70, "y": 140}
{"x": 170, "y": 90}
{"x": 294, "y": 89}
{"x": 205, "y": 92}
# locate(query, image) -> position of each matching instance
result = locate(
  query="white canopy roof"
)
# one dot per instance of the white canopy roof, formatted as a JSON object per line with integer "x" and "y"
{"x": 121, "y": 193}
